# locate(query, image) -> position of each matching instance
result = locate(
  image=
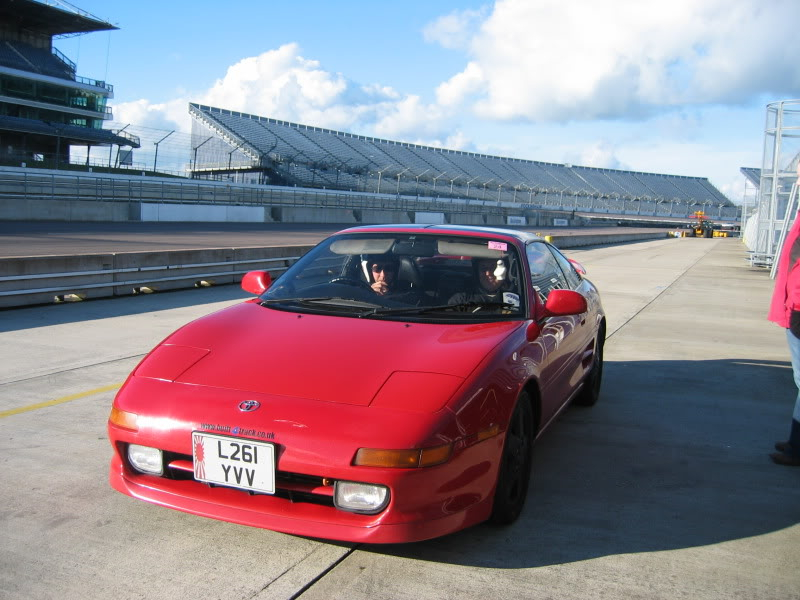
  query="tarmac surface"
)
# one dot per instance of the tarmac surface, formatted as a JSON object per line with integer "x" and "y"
{"x": 663, "y": 490}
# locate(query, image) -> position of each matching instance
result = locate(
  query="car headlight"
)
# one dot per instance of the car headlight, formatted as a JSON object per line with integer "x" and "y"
{"x": 145, "y": 459}
{"x": 364, "y": 498}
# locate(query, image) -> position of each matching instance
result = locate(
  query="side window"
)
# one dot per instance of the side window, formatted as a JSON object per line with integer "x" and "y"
{"x": 546, "y": 275}
{"x": 573, "y": 279}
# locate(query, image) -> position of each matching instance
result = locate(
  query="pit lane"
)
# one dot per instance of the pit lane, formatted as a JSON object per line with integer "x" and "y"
{"x": 662, "y": 490}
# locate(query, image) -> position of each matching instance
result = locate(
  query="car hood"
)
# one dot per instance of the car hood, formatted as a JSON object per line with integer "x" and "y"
{"x": 333, "y": 359}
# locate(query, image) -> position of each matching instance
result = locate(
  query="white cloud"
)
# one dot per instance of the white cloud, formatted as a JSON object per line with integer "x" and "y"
{"x": 407, "y": 118}
{"x": 455, "y": 89}
{"x": 454, "y": 30}
{"x": 600, "y": 154}
{"x": 284, "y": 85}
{"x": 551, "y": 60}
{"x": 279, "y": 83}
{"x": 166, "y": 115}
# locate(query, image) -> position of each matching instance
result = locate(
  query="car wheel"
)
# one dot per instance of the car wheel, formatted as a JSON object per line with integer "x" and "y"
{"x": 590, "y": 392}
{"x": 515, "y": 465}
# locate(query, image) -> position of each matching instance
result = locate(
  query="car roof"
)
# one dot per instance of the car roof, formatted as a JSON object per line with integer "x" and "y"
{"x": 467, "y": 230}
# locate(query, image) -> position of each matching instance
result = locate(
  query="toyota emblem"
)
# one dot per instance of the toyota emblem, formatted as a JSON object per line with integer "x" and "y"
{"x": 249, "y": 405}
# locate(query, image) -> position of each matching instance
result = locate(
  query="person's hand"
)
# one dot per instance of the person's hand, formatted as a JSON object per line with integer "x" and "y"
{"x": 380, "y": 287}
{"x": 794, "y": 323}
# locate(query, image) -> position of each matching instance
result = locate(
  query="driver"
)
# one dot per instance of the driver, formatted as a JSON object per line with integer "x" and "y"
{"x": 382, "y": 274}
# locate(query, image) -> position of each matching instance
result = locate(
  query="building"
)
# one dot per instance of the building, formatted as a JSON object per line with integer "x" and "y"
{"x": 45, "y": 106}
{"x": 239, "y": 147}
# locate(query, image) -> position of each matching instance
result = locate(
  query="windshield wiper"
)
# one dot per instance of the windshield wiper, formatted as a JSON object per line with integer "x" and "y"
{"x": 269, "y": 301}
{"x": 325, "y": 300}
{"x": 419, "y": 310}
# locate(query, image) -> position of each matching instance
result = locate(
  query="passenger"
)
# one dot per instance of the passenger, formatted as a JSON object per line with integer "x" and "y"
{"x": 493, "y": 285}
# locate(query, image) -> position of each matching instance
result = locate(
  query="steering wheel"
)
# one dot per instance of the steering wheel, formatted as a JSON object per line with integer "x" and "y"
{"x": 345, "y": 280}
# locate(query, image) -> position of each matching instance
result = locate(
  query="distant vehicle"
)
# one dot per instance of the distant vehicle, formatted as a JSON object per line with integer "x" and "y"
{"x": 386, "y": 388}
{"x": 702, "y": 227}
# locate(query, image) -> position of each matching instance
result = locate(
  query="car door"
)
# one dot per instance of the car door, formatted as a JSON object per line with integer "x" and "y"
{"x": 585, "y": 329}
{"x": 559, "y": 344}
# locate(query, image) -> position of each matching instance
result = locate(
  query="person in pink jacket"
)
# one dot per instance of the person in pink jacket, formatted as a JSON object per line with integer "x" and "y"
{"x": 785, "y": 311}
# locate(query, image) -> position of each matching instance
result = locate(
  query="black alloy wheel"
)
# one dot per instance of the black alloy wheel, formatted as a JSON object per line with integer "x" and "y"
{"x": 515, "y": 465}
{"x": 590, "y": 392}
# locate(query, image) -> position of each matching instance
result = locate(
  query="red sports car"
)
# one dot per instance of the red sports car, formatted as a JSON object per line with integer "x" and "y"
{"x": 388, "y": 387}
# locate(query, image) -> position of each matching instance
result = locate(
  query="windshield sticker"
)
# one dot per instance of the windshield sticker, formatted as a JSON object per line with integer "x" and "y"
{"x": 502, "y": 246}
{"x": 511, "y": 298}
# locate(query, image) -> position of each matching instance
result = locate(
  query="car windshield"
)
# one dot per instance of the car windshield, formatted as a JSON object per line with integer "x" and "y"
{"x": 404, "y": 276}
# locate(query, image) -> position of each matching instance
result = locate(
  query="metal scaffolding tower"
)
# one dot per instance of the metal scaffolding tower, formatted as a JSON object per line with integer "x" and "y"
{"x": 779, "y": 172}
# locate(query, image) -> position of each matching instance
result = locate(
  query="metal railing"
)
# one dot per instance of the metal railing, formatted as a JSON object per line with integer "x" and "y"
{"x": 29, "y": 184}
{"x": 26, "y": 184}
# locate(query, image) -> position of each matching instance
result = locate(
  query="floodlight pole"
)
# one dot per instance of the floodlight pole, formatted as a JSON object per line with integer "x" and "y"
{"x": 198, "y": 147}
{"x": 398, "y": 178}
{"x": 155, "y": 158}
{"x": 380, "y": 174}
{"x": 485, "y": 183}
{"x": 230, "y": 156}
{"x": 442, "y": 174}
{"x": 111, "y": 147}
{"x": 417, "y": 178}
{"x": 470, "y": 181}
{"x": 500, "y": 189}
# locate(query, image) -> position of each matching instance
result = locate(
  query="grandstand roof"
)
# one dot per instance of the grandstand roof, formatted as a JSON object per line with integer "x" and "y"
{"x": 49, "y": 19}
{"x": 752, "y": 174}
{"x": 321, "y": 152}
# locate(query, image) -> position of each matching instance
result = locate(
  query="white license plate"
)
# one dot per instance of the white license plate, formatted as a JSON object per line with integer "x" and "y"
{"x": 234, "y": 462}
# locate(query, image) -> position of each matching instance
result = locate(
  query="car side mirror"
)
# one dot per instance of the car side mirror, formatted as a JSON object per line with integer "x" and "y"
{"x": 256, "y": 282}
{"x": 564, "y": 302}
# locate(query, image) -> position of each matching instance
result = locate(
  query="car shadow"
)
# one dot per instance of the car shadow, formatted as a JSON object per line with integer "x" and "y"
{"x": 674, "y": 455}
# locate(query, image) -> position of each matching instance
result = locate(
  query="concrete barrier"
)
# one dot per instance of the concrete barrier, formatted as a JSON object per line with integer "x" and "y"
{"x": 313, "y": 215}
{"x": 375, "y": 217}
{"x": 578, "y": 241}
{"x": 49, "y": 279}
{"x": 201, "y": 213}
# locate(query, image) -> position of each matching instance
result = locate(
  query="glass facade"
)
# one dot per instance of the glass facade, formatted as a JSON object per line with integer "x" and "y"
{"x": 33, "y": 93}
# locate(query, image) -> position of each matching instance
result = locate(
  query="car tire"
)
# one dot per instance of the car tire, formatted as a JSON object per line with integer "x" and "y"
{"x": 590, "y": 392}
{"x": 515, "y": 465}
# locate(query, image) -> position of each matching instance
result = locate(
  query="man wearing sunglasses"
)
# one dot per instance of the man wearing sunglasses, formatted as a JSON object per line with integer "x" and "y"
{"x": 383, "y": 276}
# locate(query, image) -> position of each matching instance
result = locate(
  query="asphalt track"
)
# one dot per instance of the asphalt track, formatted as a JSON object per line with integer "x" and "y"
{"x": 55, "y": 238}
{"x": 663, "y": 490}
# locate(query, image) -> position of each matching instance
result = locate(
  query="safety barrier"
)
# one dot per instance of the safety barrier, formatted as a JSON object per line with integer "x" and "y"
{"x": 49, "y": 279}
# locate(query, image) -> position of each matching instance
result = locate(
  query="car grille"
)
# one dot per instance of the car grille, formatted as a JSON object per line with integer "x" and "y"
{"x": 295, "y": 487}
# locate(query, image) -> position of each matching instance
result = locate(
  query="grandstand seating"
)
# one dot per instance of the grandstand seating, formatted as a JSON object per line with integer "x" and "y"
{"x": 67, "y": 132}
{"x": 17, "y": 55}
{"x": 317, "y": 157}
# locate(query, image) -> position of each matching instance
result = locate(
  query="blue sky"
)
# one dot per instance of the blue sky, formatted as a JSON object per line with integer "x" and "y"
{"x": 678, "y": 87}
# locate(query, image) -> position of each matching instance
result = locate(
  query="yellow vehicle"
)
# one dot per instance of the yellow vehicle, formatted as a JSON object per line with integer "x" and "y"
{"x": 702, "y": 228}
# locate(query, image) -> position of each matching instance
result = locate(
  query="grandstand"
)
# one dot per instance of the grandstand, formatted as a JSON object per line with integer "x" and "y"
{"x": 45, "y": 107}
{"x": 229, "y": 145}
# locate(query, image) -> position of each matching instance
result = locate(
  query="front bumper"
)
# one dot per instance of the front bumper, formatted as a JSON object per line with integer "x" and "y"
{"x": 425, "y": 503}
